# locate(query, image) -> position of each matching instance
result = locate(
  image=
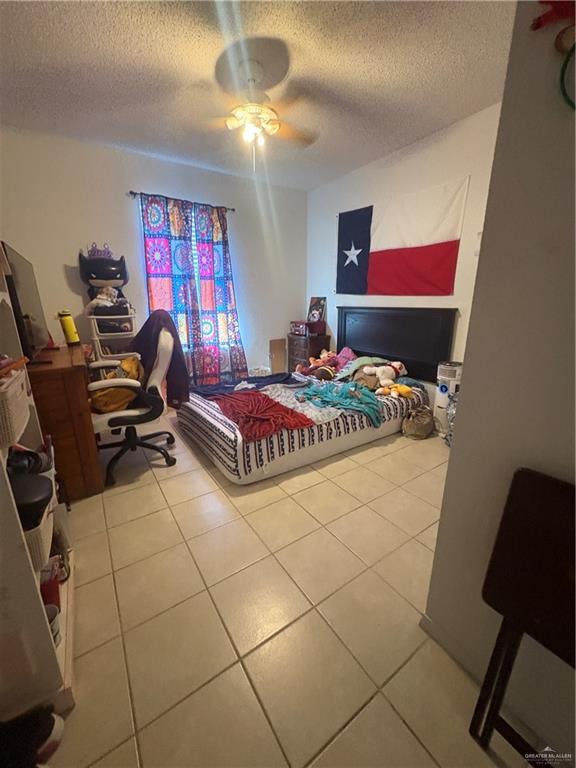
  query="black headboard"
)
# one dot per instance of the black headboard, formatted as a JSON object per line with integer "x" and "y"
{"x": 420, "y": 338}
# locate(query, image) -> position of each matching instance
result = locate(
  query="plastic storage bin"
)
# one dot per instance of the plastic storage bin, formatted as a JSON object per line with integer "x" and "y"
{"x": 39, "y": 539}
{"x": 13, "y": 407}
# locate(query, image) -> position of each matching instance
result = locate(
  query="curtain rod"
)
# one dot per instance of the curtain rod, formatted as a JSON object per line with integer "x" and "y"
{"x": 137, "y": 194}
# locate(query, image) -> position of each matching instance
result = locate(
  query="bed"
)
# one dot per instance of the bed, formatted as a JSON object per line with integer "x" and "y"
{"x": 418, "y": 337}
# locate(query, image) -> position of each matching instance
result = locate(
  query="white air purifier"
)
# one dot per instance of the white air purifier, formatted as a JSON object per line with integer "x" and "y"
{"x": 449, "y": 376}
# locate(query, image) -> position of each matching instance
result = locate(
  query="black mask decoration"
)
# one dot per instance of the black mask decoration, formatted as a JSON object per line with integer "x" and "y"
{"x": 98, "y": 272}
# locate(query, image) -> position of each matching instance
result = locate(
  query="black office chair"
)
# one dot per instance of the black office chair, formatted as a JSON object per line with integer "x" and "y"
{"x": 150, "y": 407}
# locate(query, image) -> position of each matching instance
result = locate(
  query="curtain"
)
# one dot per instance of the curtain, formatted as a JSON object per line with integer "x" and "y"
{"x": 189, "y": 274}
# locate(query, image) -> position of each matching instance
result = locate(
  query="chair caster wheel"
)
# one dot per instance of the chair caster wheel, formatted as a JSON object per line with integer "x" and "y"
{"x": 170, "y": 440}
{"x": 170, "y": 461}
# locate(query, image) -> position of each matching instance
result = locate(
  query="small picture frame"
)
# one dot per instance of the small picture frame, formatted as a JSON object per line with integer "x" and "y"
{"x": 317, "y": 309}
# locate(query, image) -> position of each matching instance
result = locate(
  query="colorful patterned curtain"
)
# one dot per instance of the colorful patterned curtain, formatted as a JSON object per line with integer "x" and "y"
{"x": 189, "y": 274}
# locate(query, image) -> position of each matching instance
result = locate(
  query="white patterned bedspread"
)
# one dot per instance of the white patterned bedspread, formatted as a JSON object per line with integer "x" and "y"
{"x": 246, "y": 462}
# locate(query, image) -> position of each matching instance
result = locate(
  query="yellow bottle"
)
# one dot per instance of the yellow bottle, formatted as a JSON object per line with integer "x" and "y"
{"x": 68, "y": 327}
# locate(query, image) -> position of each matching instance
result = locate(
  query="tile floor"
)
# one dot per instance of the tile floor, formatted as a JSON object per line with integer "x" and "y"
{"x": 269, "y": 625}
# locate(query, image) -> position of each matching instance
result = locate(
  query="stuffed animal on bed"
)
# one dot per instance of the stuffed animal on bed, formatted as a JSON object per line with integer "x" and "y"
{"x": 323, "y": 367}
{"x": 386, "y": 374}
{"x": 396, "y": 390}
{"x": 368, "y": 380}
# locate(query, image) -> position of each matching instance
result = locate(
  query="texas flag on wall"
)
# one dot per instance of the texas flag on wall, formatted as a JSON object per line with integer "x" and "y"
{"x": 407, "y": 246}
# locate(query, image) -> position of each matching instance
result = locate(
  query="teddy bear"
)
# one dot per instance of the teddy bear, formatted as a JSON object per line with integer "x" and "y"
{"x": 396, "y": 390}
{"x": 386, "y": 374}
{"x": 326, "y": 359}
{"x": 107, "y": 296}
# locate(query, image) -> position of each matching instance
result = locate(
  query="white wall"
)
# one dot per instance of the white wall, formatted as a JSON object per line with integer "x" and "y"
{"x": 465, "y": 148}
{"x": 520, "y": 346}
{"x": 60, "y": 195}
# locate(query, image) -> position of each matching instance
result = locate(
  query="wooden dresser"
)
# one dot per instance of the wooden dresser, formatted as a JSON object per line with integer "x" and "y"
{"x": 300, "y": 348}
{"x": 59, "y": 382}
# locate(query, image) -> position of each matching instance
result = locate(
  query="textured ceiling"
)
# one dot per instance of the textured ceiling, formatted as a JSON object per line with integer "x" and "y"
{"x": 372, "y": 76}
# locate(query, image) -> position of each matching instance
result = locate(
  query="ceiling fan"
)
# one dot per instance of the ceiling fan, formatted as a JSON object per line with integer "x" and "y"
{"x": 240, "y": 74}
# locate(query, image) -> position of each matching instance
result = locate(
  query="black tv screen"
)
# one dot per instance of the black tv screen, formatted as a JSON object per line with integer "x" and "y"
{"x": 26, "y": 303}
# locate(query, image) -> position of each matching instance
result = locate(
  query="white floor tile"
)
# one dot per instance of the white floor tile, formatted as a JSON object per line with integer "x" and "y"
{"x": 150, "y": 586}
{"x": 298, "y": 479}
{"x": 367, "y": 580}
{"x": 95, "y": 615}
{"x": 441, "y": 471}
{"x": 378, "y": 448}
{"x": 87, "y": 517}
{"x": 367, "y": 534}
{"x": 141, "y": 538}
{"x": 365, "y": 453}
{"x": 185, "y": 462}
{"x": 132, "y": 504}
{"x": 376, "y": 737}
{"x": 187, "y": 486}
{"x": 123, "y": 756}
{"x": 393, "y": 443}
{"x": 226, "y": 550}
{"x": 378, "y": 626}
{"x": 319, "y": 564}
{"x": 257, "y": 602}
{"x": 220, "y": 726}
{"x": 334, "y": 465}
{"x": 173, "y": 654}
{"x": 101, "y": 719}
{"x": 309, "y": 684}
{"x": 132, "y": 471}
{"x": 428, "y": 453}
{"x": 281, "y": 523}
{"x": 436, "y": 699}
{"x": 395, "y": 467}
{"x": 405, "y": 510}
{"x": 249, "y": 498}
{"x": 92, "y": 558}
{"x": 428, "y": 536}
{"x": 326, "y": 501}
{"x": 202, "y": 514}
{"x": 408, "y": 570}
{"x": 428, "y": 487}
{"x": 363, "y": 484}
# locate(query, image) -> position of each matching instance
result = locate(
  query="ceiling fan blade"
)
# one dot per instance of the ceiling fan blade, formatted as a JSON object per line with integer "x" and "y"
{"x": 215, "y": 123}
{"x": 302, "y": 137}
{"x": 294, "y": 92}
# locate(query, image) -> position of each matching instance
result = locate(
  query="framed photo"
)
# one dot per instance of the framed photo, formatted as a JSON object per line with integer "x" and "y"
{"x": 317, "y": 309}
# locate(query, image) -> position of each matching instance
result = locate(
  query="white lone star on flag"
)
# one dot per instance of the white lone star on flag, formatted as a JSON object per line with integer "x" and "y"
{"x": 352, "y": 255}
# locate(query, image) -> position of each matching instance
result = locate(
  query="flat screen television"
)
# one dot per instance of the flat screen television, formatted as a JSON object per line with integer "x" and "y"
{"x": 26, "y": 303}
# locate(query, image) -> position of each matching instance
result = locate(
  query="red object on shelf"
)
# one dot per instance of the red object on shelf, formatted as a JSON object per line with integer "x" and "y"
{"x": 298, "y": 328}
{"x": 558, "y": 11}
{"x": 49, "y": 584}
{"x": 317, "y": 328}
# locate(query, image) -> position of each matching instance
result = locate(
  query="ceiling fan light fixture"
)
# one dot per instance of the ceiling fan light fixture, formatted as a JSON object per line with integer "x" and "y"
{"x": 251, "y": 131}
{"x": 257, "y": 120}
{"x": 232, "y": 122}
{"x": 271, "y": 127}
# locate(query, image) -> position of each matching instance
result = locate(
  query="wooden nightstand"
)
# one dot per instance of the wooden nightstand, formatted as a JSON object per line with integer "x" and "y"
{"x": 300, "y": 348}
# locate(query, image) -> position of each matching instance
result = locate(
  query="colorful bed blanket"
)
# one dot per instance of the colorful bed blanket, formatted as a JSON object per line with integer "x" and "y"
{"x": 349, "y": 397}
{"x": 257, "y": 415}
{"x": 289, "y": 397}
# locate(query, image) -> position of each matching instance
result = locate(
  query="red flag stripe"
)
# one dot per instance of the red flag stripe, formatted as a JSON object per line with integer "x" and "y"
{"x": 423, "y": 270}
